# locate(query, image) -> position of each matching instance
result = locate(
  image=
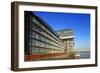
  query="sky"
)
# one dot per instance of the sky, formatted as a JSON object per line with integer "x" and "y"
{"x": 80, "y": 23}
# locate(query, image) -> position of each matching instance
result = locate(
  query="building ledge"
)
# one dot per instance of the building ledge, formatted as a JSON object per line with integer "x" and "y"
{"x": 68, "y": 37}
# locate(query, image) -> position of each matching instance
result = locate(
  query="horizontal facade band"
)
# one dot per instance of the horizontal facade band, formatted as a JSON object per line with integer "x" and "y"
{"x": 68, "y": 37}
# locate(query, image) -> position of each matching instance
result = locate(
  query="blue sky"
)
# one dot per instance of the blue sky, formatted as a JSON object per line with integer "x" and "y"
{"x": 80, "y": 23}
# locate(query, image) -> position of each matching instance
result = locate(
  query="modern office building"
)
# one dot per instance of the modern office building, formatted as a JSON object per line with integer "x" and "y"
{"x": 40, "y": 38}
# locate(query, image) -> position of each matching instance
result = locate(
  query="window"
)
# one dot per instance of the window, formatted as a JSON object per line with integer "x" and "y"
{"x": 44, "y": 39}
{"x": 39, "y": 36}
{"x": 37, "y": 29}
{"x": 39, "y": 43}
{"x": 71, "y": 43}
{"x": 33, "y": 43}
{"x": 36, "y": 36}
{"x": 33, "y": 34}
{"x": 33, "y": 27}
{"x": 36, "y": 43}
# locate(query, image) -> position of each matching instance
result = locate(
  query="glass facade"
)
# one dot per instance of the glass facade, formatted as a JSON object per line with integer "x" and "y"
{"x": 41, "y": 39}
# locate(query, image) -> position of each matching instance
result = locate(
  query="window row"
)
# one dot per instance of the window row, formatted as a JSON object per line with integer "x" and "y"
{"x": 38, "y": 36}
{"x": 33, "y": 42}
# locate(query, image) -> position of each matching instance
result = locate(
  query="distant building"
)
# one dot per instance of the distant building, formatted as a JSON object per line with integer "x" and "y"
{"x": 66, "y": 35}
{"x": 40, "y": 38}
